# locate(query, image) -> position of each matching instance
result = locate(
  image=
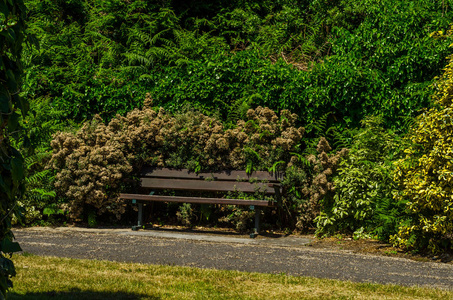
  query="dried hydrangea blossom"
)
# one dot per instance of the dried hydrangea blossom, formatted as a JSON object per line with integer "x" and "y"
{"x": 321, "y": 186}
{"x": 92, "y": 163}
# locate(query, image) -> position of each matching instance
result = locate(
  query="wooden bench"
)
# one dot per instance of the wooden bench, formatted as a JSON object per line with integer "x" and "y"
{"x": 153, "y": 179}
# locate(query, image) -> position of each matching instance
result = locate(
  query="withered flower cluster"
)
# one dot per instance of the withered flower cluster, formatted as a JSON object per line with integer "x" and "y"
{"x": 321, "y": 186}
{"x": 91, "y": 164}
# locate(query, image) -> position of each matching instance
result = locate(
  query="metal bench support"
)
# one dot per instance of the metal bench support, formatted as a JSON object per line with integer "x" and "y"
{"x": 140, "y": 216}
{"x": 256, "y": 230}
{"x": 140, "y": 213}
{"x": 257, "y": 219}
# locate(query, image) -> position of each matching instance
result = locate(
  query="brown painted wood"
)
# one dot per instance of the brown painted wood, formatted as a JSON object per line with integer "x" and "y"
{"x": 221, "y": 175}
{"x": 203, "y": 185}
{"x": 197, "y": 200}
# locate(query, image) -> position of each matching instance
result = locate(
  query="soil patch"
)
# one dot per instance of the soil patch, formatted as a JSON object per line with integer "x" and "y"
{"x": 375, "y": 247}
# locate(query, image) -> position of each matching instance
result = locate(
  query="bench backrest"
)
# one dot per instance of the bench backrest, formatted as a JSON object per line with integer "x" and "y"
{"x": 222, "y": 181}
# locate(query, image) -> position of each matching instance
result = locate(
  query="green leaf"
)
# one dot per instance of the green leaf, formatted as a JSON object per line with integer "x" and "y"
{"x": 52, "y": 211}
{"x": 8, "y": 246}
{"x": 4, "y": 9}
{"x": 13, "y": 122}
{"x": 23, "y": 105}
{"x": 3, "y": 287}
{"x": 4, "y": 101}
{"x": 5, "y": 187}
{"x": 17, "y": 165}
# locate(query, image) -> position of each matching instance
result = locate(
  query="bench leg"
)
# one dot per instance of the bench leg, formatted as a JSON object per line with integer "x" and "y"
{"x": 257, "y": 219}
{"x": 140, "y": 217}
{"x": 256, "y": 230}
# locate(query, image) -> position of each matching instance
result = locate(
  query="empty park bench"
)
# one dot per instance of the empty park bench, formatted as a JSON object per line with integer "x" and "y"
{"x": 153, "y": 179}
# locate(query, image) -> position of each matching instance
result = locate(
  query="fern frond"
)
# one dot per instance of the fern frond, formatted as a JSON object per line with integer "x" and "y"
{"x": 408, "y": 123}
{"x": 318, "y": 126}
{"x": 182, "y": 61}
{"x": 255, "y": 155}
{"x": 340, "y": 139}
{"x": 146, "y": 76}
{"x": 158, "y": 37}
{"x": 37, "y": 177}
{"x": 158, "y": 52}
{"x": 238, "y": 110}
{"x": 274, "y": 167}
{"x": 95, "y": 34}
{"x": 44, "y": 193}
{"x": 40, "y": 155}
{"x": 250, "y": 167}
{"x": 134, "y": 58}
{"x": 136, "y": 70}
{"x": 252, "y": 124}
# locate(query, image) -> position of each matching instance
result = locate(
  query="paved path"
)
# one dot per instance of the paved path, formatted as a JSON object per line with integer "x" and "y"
{"x": 288, "y": 255}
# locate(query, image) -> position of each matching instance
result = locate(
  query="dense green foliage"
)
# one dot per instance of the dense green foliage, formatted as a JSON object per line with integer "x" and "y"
{"x": 12, "y": 29}
{"x": 333, "y": 63}
{"x": 363, "y": 200}
{"x": 39, "y": 196}
{"x": 348, "y": 58}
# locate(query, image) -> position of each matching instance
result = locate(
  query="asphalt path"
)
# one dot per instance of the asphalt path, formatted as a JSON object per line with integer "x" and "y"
{"x": 289, "y": 255}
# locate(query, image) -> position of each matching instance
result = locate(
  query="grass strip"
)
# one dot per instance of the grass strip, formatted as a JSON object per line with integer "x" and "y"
{"x": 64, "y": 278}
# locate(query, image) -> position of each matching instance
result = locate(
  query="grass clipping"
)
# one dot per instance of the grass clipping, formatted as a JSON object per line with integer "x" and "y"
{"x": 64, "y": 278}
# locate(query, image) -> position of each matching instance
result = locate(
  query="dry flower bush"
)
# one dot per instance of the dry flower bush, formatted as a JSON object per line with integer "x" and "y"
{"x": 92, "y": 164}
{"x": 310, "y": 182}
{"x": 322, "y": 188}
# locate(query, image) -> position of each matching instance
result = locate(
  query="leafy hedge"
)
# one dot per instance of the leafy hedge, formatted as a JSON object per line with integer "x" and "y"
{"x": 424, "y": 175}
{"x": 350, "y": 59}
{"x": 363, "y": 202}
{"x": 331, "y": 62}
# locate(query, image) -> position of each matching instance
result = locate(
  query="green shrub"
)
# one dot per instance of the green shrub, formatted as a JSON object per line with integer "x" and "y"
{"x": 39, "y": 192}
{"x": 39, "y": 195}
{"x": 424, "y": 175}
{"x": 364, "y": 185}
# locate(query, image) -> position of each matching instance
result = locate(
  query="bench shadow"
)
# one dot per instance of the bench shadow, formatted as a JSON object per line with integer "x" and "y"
{"x": 191, "y": 230}
{"x": 75, "y": 294}
{"x": 212, "y": 232}
{"x": 149, "y": 227}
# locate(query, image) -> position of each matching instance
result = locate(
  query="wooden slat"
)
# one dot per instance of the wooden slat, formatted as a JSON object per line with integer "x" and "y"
{"x": 223, "y": 175}
{"x": 196, "y": 200}
{"x": 202, "y": 185}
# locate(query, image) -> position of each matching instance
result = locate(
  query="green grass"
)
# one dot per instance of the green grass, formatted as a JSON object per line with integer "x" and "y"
{"x": 64, "y": 278}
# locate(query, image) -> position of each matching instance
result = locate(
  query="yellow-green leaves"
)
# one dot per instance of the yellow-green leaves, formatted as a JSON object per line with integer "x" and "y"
{"x": 425, "y": 175}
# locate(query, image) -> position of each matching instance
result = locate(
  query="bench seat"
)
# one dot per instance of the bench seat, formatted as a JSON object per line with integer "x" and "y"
{"x": 153, "y": 179}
